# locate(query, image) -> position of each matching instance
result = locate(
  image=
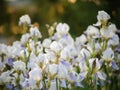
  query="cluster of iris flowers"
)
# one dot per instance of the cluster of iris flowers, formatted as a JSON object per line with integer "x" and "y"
{"x": 61, "y": 62}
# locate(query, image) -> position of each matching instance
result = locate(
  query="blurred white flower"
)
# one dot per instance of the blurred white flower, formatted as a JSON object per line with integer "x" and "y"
{"x": 15, "y": 51}
{"x": 25, "y": 19}
{"x": 31, "y": 45}
{"x": 50, "y": 56}
{"x": 65, "y": 54}
{"x": 41, "y": 58}
{"x": 97, "y": 47}
{"x": 53, "y": 69}
{"x": 19, "y": 65}
{"x": 112, "y": 27}
{"x": 36, "y": 74}
{"x": 32, "y": 65}
{"x": 91, "y": 30}
{"x": 29, "y": 84}
{"x": 53, "y": 85}
{"x": 72, "y": 50}
{"x": 5, "y": 77}
{"x": 25, "y": 38}
{"x": 18, "y": 44}
{"x": 81, "y": 40}
{"x": 114, "y": 40}
{"x": 34, "y": 31}
{"x": 33, "y": 57}
{"x": 94, "y": 63}
{"x": 62, "y": 72}
{"x": 108, "y": 54}
{"x": 102, "y": 15}
{"x": 107, "y": 33}
{"x": 68, "y": 52}
{"x": 56, "y": 46}
{"x": 23, "y": 53}
{"x": 62, "y": 28}
{"x": 66, "y": 40}
{"x": 46, "y": 43}
{"x": 85, "y": 53}
{"x": 38, "y": 48}
{"x": 22, "y": 78}
{"x": 93, "y": 47}
{"x": 83, "y": 66}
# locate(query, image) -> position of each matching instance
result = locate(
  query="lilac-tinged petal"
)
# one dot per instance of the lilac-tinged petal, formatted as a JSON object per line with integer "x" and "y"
{"x": 78, "y": 84}
{"x": 63, "y": 83}
{"x": 83, "y": 66}
{"x": 101, "y": 75}
{"x": 96, "y": 79}
{"x": 10, "y": 61}
{"x": 72, "y": 76}
{"x": 82, "y": 75}
{"x": 65, "y": 63}
{"x": 9, "y": 86}
{"x": 114, "y": 65}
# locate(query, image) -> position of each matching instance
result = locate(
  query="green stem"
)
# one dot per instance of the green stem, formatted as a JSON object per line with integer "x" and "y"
{"x": 44, "y": 82}
{"x": 57, "y": 84}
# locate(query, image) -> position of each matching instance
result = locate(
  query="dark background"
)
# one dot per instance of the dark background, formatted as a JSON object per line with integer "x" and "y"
{"x": 77, "y": 13}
